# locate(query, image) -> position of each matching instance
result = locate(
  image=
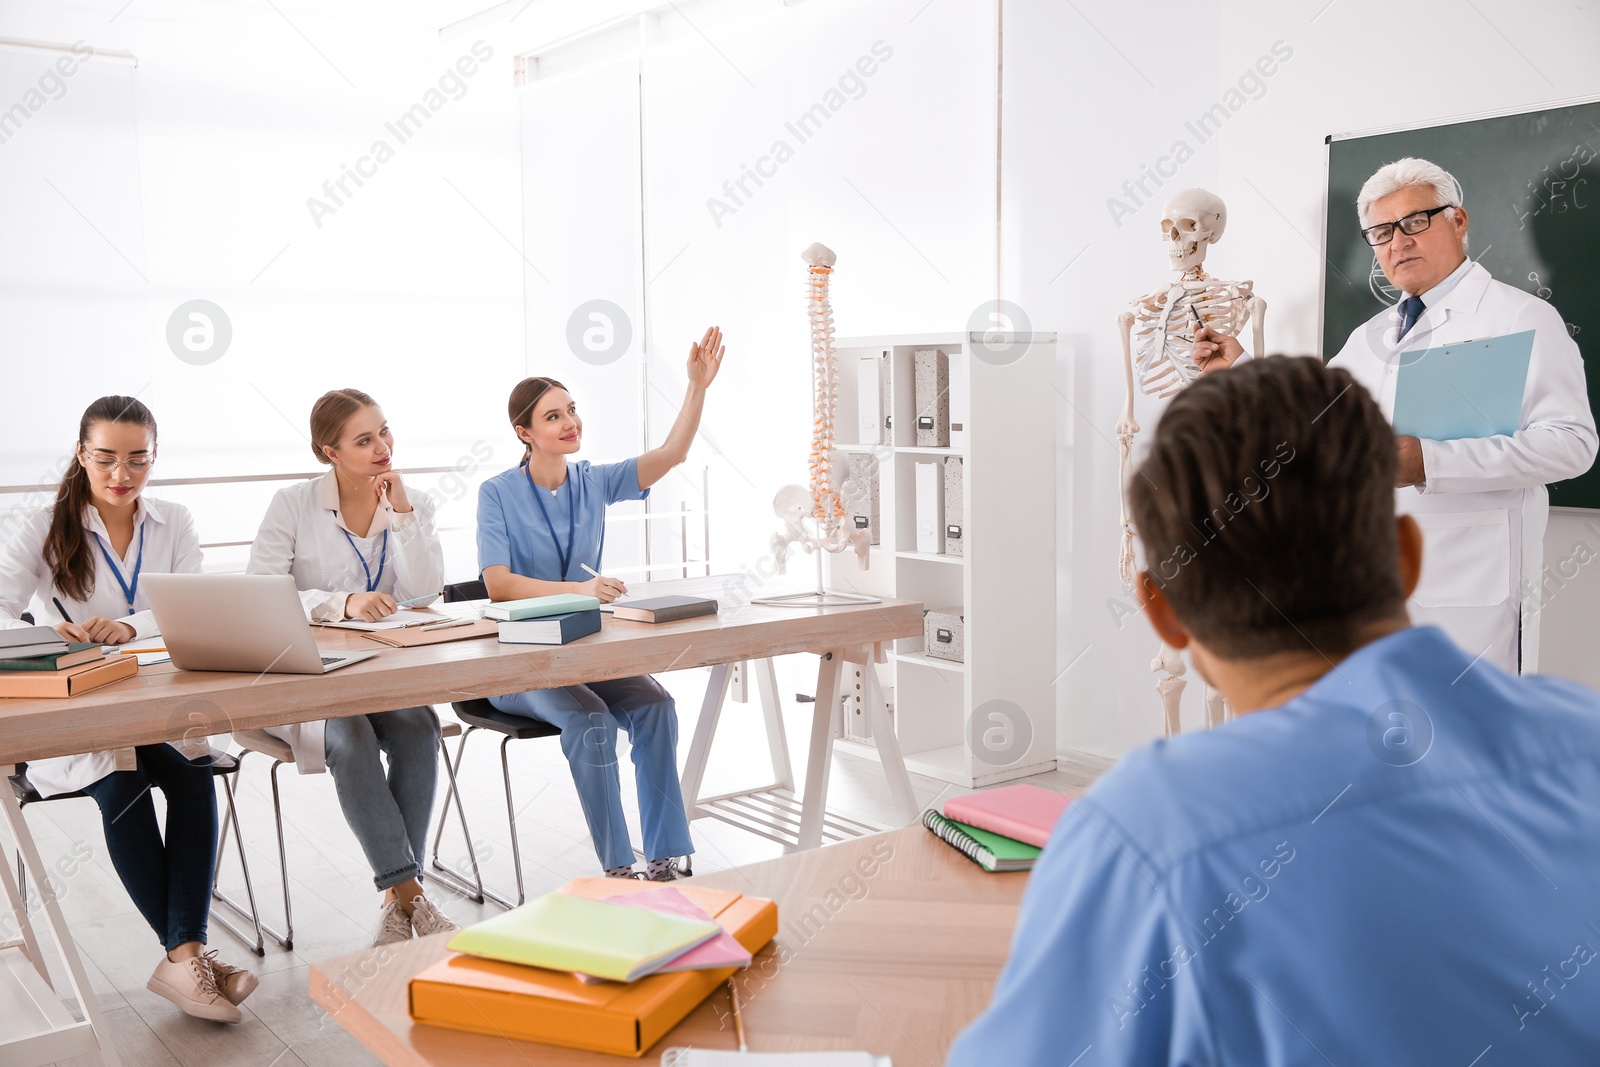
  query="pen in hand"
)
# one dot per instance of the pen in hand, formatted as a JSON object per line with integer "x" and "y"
{"x": 62, "y": 611}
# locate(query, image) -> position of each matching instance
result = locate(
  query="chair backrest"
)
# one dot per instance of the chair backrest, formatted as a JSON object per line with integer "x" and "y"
{"x": 27, "y": 617}
{"x": 473, "y": 590}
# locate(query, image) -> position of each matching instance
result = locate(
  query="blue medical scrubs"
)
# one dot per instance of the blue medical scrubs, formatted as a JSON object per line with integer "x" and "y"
{"x": 1397, "y": 866}
{"x": 534, "y": 532}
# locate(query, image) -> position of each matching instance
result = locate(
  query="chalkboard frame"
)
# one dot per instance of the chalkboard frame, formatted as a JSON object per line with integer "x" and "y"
{"x": 1335, "y": 322}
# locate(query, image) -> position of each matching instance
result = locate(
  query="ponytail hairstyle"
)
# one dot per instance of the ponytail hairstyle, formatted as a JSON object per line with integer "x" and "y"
{"x": 524, "y": 398}
{"x": 328, "y": 416}
{"x": 66, "y": 546}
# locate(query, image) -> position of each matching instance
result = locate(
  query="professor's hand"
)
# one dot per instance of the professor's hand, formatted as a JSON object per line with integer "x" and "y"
{"x": 1214, "y": 351}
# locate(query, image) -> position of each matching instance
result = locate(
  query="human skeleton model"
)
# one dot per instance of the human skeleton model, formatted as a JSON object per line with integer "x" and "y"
{"x": 1162, "y": 327}
{"x": 825, "y": 504}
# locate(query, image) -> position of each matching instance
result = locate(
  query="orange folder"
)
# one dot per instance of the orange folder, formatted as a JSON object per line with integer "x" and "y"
{"x": 554, "y": 1008}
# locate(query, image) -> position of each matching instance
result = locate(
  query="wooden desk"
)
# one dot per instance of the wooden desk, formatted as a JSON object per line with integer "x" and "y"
{"x": 890, "y": 943}
{"x": 163, "y": 703}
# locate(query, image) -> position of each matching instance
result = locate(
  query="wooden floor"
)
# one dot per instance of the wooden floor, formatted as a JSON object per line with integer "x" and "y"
{"x": 336, "y": 906}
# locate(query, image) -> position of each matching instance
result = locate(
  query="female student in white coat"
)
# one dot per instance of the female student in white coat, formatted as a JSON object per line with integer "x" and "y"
{"x": 356, "y": 543}
{"x": 79, "y": 562}
{"x": 539, "y": 524}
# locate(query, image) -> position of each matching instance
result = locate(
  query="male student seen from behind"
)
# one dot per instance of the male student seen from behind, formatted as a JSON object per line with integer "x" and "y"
{"x": 1481, "y": 501}
{"x": 1387, "y": 858}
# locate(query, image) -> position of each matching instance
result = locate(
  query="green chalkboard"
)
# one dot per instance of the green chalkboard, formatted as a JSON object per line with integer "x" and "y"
{"x": 1531, "y": 187}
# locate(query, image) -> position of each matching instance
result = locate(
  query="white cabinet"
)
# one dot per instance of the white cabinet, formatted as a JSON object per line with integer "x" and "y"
{"x": 991, "y": 717}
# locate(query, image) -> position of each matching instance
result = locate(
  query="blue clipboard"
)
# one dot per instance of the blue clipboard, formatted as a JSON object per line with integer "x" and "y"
{"x": 1471, "y": 389}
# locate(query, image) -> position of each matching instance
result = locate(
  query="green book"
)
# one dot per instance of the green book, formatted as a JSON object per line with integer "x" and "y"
{"x": 77, "y": 652}
{"x": 537, "y": 607}
{"x": 991, "y": 851}
{"x": 591, "y": 937}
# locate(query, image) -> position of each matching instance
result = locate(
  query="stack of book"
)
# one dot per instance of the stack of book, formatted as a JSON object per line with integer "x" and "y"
{"x": 1002, "y": 829}
{"x": 601, "y": 964}
{"x": 35, "y": 661}
{"x": 546, "y": 620}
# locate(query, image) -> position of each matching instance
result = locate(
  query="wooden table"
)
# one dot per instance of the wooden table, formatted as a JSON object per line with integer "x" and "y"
{"x": 163, "y": 703}
{"x": 890, "y": 943}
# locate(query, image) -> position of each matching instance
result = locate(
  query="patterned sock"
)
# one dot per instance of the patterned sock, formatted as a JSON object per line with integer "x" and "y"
{"x": 655, "y": 867}
{"x": 621, "y": 872}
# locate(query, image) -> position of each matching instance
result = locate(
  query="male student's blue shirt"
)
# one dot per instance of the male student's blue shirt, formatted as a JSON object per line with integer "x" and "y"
{"x": 512, "y": 531}
{"x": 1399, "y": 866}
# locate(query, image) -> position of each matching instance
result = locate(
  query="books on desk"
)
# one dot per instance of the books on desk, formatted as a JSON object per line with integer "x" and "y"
{"x": 76, "y": 653}
{"x": 68, "y": 681}
{"x": 1022, "y": 812}
{"x": 20, "y": 642}
{"x": 556, "y": 1007}
{"x": 539, "y": 606}
{"x": 663, "y": 608}
{"x": 992, "y": 852}
{"x": 551, "y": 629}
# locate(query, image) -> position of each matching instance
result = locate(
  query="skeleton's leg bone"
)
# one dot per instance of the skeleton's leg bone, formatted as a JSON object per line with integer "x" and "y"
{"x": 1216, "y": 707}
{"x": 1171, "y": 690}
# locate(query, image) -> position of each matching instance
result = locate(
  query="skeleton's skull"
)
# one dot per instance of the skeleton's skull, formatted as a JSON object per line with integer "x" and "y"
{"x": 1194, "y": 221}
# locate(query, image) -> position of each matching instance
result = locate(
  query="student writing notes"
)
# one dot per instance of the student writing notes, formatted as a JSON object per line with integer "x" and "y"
{"x": 539, "y": 525}
{"x": 357, "y": 542}
{"x": 86, "y": 553}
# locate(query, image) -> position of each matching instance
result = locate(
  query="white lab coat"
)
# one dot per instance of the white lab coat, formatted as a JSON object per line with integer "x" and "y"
{"x": 171, "y": 546}
{"x": 303, "y": 534}
{"x": 1484, "y": 506}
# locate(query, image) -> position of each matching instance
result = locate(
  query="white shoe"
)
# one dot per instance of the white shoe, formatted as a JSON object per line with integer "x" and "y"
{"x": 236, "y": 983}
{"x": 427, "y": 919}
{"x": 393, "y": 925}
{"x": 191, "y": 984}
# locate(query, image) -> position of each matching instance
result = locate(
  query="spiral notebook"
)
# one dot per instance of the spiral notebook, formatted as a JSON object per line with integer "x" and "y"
{"x": 991, "y": 851}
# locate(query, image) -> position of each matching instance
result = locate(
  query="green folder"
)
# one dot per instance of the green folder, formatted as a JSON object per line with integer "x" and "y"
{"x": 1004, "y": 848}
{"x": 590, "y": 937}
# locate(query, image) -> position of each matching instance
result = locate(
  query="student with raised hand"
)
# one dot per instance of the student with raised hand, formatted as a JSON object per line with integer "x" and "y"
{"x": 357, "y": 543}
{"x": 79, "y": 561}
{"x": 539, "y": 525}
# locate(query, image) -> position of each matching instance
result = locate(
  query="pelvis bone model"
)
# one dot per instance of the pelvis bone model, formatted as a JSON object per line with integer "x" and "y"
{"x": 1162, "y": 327}
{"x": 825, "y": 503}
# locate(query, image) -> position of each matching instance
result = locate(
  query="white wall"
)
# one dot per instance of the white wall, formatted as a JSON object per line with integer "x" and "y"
{"x": 408, "y": 290}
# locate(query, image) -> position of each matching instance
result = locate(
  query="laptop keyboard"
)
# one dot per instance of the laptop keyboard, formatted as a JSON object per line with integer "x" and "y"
{"x": 332, "y": 659}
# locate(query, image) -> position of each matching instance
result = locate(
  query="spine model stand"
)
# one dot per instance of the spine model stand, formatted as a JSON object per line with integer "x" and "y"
{"x": 815, "y": 520}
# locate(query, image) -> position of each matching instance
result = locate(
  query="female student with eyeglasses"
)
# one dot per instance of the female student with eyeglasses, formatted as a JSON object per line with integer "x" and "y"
{"x": 79, "y": 562}
{"x": 541, "y": 525}
{"x": 357, "y": 542}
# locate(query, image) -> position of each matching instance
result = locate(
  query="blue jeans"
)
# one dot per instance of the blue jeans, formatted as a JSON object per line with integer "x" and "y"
{"x": 589, "y": 717}
{"x": 169, "y": 881}
{"x": 389, "y": 813}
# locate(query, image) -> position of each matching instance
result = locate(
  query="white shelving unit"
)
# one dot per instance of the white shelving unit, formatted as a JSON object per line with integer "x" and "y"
{"x": 990, "y": 718}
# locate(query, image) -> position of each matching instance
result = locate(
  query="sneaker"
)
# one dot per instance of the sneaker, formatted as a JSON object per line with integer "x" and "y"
{"x": 236, "y": 983}
{"x": 191, "y": 984}
{"x": 670, "y": 872}
{"x": 427, "y": 919}
{"x": 393, "y": 925}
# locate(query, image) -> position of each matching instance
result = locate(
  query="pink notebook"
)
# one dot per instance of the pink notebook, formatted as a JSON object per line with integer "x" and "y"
{"x": 723, "y": 950}
{"x": 1024, "y": 813}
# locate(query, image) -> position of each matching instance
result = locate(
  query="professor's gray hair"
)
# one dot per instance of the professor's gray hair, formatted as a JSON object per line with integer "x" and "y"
{"x": 1409, "y": 173}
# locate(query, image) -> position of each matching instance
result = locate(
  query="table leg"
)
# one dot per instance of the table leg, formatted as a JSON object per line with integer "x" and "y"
{"x": 894, "y": 767}
{"x": 820, "y": 759}
{"x": 694, "y": 769}
{"x": 57, "y": 923}
{"x": 772, "y": 713}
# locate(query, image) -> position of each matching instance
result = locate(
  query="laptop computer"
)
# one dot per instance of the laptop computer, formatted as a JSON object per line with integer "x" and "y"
{"x": 238, "y": 622}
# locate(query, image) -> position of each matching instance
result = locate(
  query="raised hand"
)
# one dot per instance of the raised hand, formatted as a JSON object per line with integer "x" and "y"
{"x": 705, "y": 358}
{"x": 389, "y": 483}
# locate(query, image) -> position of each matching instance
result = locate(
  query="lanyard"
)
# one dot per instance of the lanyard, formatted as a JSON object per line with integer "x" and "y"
{"x": 383, "y": 557}
{"x": 564, "y": 555}
{"x": 129, "y": 592}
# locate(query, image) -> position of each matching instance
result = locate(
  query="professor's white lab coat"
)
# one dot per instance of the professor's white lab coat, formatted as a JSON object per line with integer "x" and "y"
{"x": 1484, "y": 507}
